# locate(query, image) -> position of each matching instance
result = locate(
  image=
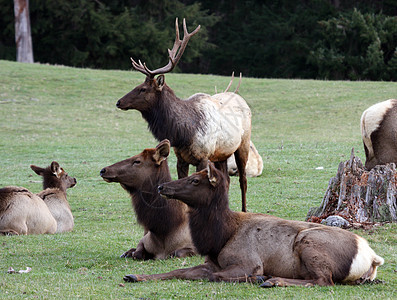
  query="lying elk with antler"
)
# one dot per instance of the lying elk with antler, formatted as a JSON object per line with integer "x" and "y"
{"x": 257, "y": 247}
{"x": 199, "y": 128}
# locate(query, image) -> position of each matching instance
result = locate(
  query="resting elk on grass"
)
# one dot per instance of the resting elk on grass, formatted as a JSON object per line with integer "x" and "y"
{"x": 254, "y": 165}
{"x": 166, "y": 227}
{"x": 378, "y": 130}
{"x": 22, "y": 212}
{"x": 256, "y": 247}
{"x": 199, "y": 128}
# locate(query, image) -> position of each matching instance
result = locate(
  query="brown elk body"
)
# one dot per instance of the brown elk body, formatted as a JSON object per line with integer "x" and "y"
{"x": 256, "y": 247}
{"x": 55, "y": 183}
{"x": 199, "y": 128}
{"x": 254, "y": 165}
{"x": 378, "y": 130}
{"x": 22, "y": 212}
{"x": 166, "y": 228}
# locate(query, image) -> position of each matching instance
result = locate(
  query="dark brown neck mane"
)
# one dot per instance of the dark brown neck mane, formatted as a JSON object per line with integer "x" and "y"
{"x": 174, "y": 119}
{"x": 154, "y": 212}
{"x": 214, "y": 225}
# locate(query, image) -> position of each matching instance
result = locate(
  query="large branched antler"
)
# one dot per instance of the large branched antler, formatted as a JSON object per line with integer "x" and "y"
{"x": 174, "y": 55}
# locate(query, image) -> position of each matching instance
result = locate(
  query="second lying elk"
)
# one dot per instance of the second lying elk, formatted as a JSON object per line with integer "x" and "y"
{"x": 254, "y": 166}
{"x": 257, "y": 247}
{"x": 22, "y": 212}
{"x": 166, "y": 228}
{"x": 199, "y": 128}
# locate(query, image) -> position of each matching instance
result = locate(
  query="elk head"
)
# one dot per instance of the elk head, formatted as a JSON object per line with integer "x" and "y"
{"x": 196, "y": 190}
{"x": 142, "y": 97}
{"x": 54, "y": 176}
{"x": 134, "y": 172}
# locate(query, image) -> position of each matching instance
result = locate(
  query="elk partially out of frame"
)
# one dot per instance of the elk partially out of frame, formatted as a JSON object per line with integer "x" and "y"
{"x": 378, "y": 130}
{"x": 199, "y": 128}
{"x": 257, "y": 247}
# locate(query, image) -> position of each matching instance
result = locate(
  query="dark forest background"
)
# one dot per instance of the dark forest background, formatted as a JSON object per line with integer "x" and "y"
{"x": 323, "y": 39}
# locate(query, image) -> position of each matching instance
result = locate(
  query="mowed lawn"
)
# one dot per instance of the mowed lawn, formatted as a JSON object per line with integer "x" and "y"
{"x": 69, "y": 115}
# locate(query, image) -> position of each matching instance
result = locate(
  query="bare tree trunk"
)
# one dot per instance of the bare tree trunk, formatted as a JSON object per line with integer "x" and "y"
{"x": 23, "y": 37}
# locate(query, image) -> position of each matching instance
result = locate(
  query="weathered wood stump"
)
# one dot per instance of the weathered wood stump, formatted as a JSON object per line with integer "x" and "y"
{"x": 362, "y": 198}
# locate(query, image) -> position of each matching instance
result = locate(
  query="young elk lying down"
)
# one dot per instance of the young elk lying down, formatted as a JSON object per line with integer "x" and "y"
{"x": 22, "y": 212}
{"x": 166, "y": 228}
{"x": 254, "y": 165}
{"x": 256, "y": 247}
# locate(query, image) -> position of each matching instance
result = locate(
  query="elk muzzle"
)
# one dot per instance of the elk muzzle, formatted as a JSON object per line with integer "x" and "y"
{"x": 165, "y": 192}
{"x": 103, "y": 174}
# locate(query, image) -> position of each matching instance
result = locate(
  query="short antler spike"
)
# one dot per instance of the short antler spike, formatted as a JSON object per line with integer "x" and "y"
{"x": 231, "y": 81}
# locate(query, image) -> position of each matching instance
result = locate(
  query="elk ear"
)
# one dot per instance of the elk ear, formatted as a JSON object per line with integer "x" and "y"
{"x": 162, "y": 151}
{"x": 160, "y": 81}
{"x": 37, "y": 170}
{"x": 211, "y": 174}
{"x": 55, "y": 168}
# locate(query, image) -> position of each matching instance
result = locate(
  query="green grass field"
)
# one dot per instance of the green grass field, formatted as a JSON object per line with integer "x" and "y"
{"x": 69, "y": 115}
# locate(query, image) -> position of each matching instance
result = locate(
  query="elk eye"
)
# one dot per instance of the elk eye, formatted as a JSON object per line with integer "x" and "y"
{"x": 195, "y": 181}
{"x": 136, "y": 162}
{"x": 142, "y": 90}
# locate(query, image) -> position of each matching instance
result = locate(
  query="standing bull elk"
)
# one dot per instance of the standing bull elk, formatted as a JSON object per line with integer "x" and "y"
{"x": 199, "y": 128}
{"x": 22, "y": 212}
{"x": 166, "y": 228}
{"x": 255, "y": 247}
{"x": 379, "y": 133}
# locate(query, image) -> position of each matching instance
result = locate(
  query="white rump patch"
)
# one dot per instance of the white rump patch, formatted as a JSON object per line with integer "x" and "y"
{"x": 365, "y": 260}
{"x": 371, "y": 119}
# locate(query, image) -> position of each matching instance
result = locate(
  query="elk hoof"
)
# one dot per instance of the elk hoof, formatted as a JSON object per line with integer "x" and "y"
{"x": 261, "y": 278}
{"x": 129, "y": 253}
{"x": 267, "y": 284}
{"x": 130, "y": 278}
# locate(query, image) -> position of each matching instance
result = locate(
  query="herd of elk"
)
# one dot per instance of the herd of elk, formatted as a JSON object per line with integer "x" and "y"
{"x": 22, "y": 212}
{"x": 243, "y": 247}
{"x": 191, "y": 215}
{"x": 165, "y": 223}
{"x": 200, "y": 128}
{"x": 379, "y": 133}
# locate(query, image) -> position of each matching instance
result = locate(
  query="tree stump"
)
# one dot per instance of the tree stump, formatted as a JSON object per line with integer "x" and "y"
{"x": 362, "y": 198}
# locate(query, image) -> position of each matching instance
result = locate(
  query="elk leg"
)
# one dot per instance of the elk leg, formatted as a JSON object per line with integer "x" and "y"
{"x": 139, "y": 252}
{"x": 182, "y": 167}
{"x": 241, "y": 156}
{"x": 203, "y": 271}
{"x": 235, "y": 273}
{"x": 8, "y": 232}
{"x": 222, "y": 166}
{"x": 202, "y": 165}
{"x": 128, "y": 253}
{"x": 315, "y": 264}
{"x": 184, "y": 252}
{"x": 279, "y": 281}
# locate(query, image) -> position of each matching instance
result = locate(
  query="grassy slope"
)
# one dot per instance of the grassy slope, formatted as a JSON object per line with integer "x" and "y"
{"x": 69, "y": 115}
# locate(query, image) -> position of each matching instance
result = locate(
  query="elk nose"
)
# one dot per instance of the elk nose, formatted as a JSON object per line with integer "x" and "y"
{"x": 118, "y": 104}
{"x": 103, "y": 171}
